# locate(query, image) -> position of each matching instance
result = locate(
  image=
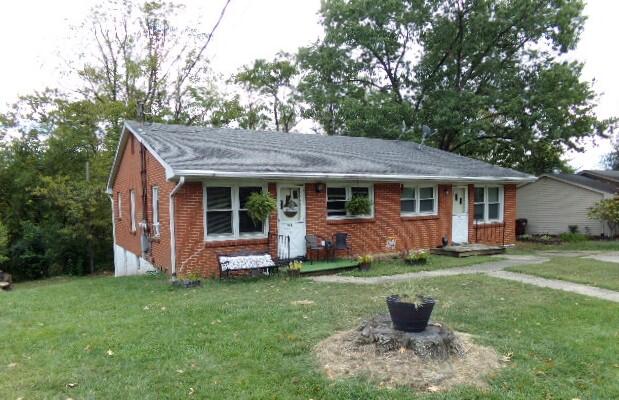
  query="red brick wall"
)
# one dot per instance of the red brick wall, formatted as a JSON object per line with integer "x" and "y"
{"x": 493, "y": 233}
{"x": 371, "y": 236}
{"x": 128, "y": 178}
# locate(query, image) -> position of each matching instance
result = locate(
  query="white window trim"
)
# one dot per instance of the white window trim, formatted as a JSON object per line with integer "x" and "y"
{"x": 235, "y": 235}
{"x": 348, "y": 188}
{"x": 418, "y": 199}
{"x": 120, "y": 205}
{"x": 487, "y": 220}
{"x": 156, "y": 223}
{"x": 132, "y": 210}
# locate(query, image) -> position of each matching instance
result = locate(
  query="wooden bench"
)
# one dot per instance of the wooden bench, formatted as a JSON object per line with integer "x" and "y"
{"x": 245, "y": 261}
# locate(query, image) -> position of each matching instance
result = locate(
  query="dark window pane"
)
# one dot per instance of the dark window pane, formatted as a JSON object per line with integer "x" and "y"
{"x": 493, "y": 210}
{"x": 334, "y": 193}
{"x": 426, "y": 205}
{"x": 479, "y": 212}
{"x": 407, "y": 206}
{"x": 426, "y": 193}
{"x": 336, "y": 208}
{"x": 246, "y": 225}
{"x": 218, "y": 198}
{"x": 408, "y": 193}
{"x": 360, "y": 191}
{"x": 479, "y": 195}
{"x": 245, "y": 192}
{"x": 493, "y": 195}
{"x": 218, "y": 222}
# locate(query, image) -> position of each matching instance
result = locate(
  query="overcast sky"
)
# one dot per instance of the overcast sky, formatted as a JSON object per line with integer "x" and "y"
{"x": 34, "y": 34}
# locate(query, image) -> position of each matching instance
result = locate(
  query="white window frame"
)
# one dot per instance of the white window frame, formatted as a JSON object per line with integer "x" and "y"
{"x": 235, "y": 235}
{"x": 119, "y": 199}
{"x": 417, "y": 189}
{"x": 132, "y": 210}
{"x": 155, "y": 200}
{"x": 348, "y": 188}
{"x": 487, "y": 220}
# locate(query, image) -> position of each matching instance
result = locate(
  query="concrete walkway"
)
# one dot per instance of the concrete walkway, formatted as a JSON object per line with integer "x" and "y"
{"x": 566, "y": 286}
{"x": 494, "y": 269}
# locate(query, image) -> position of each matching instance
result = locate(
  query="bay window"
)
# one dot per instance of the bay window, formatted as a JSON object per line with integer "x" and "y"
{"x": 418, "y": 200}
{"x": 488, "y": 204}
{"x": 226, "y": 215}
{"x": 339, "y": 195}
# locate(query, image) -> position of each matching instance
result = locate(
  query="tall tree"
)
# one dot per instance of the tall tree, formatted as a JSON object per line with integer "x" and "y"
{"x": 274, "y": 81}
{"x": 487, "y": 77}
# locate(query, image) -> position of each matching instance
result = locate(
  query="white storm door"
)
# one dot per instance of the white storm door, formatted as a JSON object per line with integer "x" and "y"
{"x": 291, "y": 220}
{"x": 460, "y": 215}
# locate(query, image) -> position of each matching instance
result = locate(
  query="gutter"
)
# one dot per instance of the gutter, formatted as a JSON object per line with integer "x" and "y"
{"x": 360, "y": 177}
{"x": 178, "y": 186}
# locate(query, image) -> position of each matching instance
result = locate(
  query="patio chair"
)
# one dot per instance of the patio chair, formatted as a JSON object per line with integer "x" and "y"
{"x": 313, "y": 243}
{"x": 342, "y": 243}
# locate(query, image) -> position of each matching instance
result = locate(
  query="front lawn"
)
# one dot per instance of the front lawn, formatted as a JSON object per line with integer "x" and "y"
{"x": 397, "y": 266}
{"x": 135, "y": 338}
{"x": 576, "y": 269}
{"x": 525, "y": 247}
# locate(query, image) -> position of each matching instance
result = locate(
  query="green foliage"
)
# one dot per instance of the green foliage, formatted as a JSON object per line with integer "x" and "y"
{"x": 4, "y": 242}
{"x": 419, "y": 256}
{"x": 485, "y": 76}
{"x": 260, "y": 205}
{"x": 365, "y": 259}
{"x": 607, "y": 211}
{"x": 359, "y": 205}
{"x": 573, "y": 237}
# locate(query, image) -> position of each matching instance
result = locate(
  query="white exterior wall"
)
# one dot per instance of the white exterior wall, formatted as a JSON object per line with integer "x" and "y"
{"x": 551, "y": 206}
{"x": 126, "y": 263}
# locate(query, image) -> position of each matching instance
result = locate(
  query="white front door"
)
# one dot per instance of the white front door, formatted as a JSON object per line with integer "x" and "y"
{"x": 460, "y": 215}
{"x": 291, "y": 221}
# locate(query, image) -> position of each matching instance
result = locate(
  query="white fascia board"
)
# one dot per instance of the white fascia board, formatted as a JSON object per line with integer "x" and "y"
{"x": 357, "y": 177}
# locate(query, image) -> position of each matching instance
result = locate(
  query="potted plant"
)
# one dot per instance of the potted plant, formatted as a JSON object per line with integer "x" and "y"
{"x": 188, "y": 280}
{"x": 260, "y": 205}
{"x": 294, "y": 268}
{"x": 416, "y": 257}
{"x": 365, "y": 262}
{"x": 410, "y": 314}
{"x": 359, "y": 205}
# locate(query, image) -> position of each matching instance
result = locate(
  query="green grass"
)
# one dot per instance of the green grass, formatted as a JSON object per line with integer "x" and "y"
{"x": 326, "y": 265}
{"x": 397, "y": 266}
{"x": 523, "y": 247}
{"x": 245, "y": 339}
{"x": 576, "y": 269}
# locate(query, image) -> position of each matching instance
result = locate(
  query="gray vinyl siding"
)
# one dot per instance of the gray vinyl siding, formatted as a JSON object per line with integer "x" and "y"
{"x": 551, "y": 206}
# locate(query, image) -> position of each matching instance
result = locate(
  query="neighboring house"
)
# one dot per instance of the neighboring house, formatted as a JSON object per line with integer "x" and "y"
{"x": 178, "y": 195}
{"x": 608, "y": 177}
{"x": 555, "y": 201}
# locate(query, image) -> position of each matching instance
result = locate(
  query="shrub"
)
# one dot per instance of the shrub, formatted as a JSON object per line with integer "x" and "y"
{"x": 573, "y": 228}
{"x": 606, "y": 210}
{"x": 365, "y": 259}
{"x": 418, "y": 256}
{"x": 572, "y": 237}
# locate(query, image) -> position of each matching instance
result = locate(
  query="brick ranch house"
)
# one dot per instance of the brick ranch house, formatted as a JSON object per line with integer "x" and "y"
{"x": 178, "y": 195}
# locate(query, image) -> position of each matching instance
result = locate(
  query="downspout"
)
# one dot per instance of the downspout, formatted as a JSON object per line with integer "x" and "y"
{"x": 111, "y": 196}
{"x": 181, "y": 182}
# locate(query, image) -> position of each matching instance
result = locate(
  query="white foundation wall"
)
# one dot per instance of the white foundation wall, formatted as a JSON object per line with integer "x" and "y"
{"x": 126, "y": 263}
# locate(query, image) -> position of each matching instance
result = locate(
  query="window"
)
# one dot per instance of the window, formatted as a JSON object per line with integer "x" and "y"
{"x": 132, "y": 211}
{"x": 226, "y": 215}
{"x": 156, "y": 225}
{"x": 119, "y": 205}
{"x": 488, "y": 204}
{"x": 338, "y": 196}
{"x": 418, "y": 200}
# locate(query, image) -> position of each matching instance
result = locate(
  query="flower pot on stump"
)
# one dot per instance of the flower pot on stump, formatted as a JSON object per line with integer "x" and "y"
{"x": 410, "y": 316}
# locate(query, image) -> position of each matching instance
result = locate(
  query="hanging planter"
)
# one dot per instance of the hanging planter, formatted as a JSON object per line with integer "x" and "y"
{"x": 410, "y": 314}
{"x": 260, "y": 205}
{"x": 359, "y": 205}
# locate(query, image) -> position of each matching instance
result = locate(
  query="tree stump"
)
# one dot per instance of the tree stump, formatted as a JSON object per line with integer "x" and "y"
{"x": 436, "y": 342}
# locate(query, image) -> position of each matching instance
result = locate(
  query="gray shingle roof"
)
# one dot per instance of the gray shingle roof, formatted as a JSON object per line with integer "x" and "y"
{"x": 190, "y": 150}
{"x": 587, "y": 182}
{"x": 603, "y": 174}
